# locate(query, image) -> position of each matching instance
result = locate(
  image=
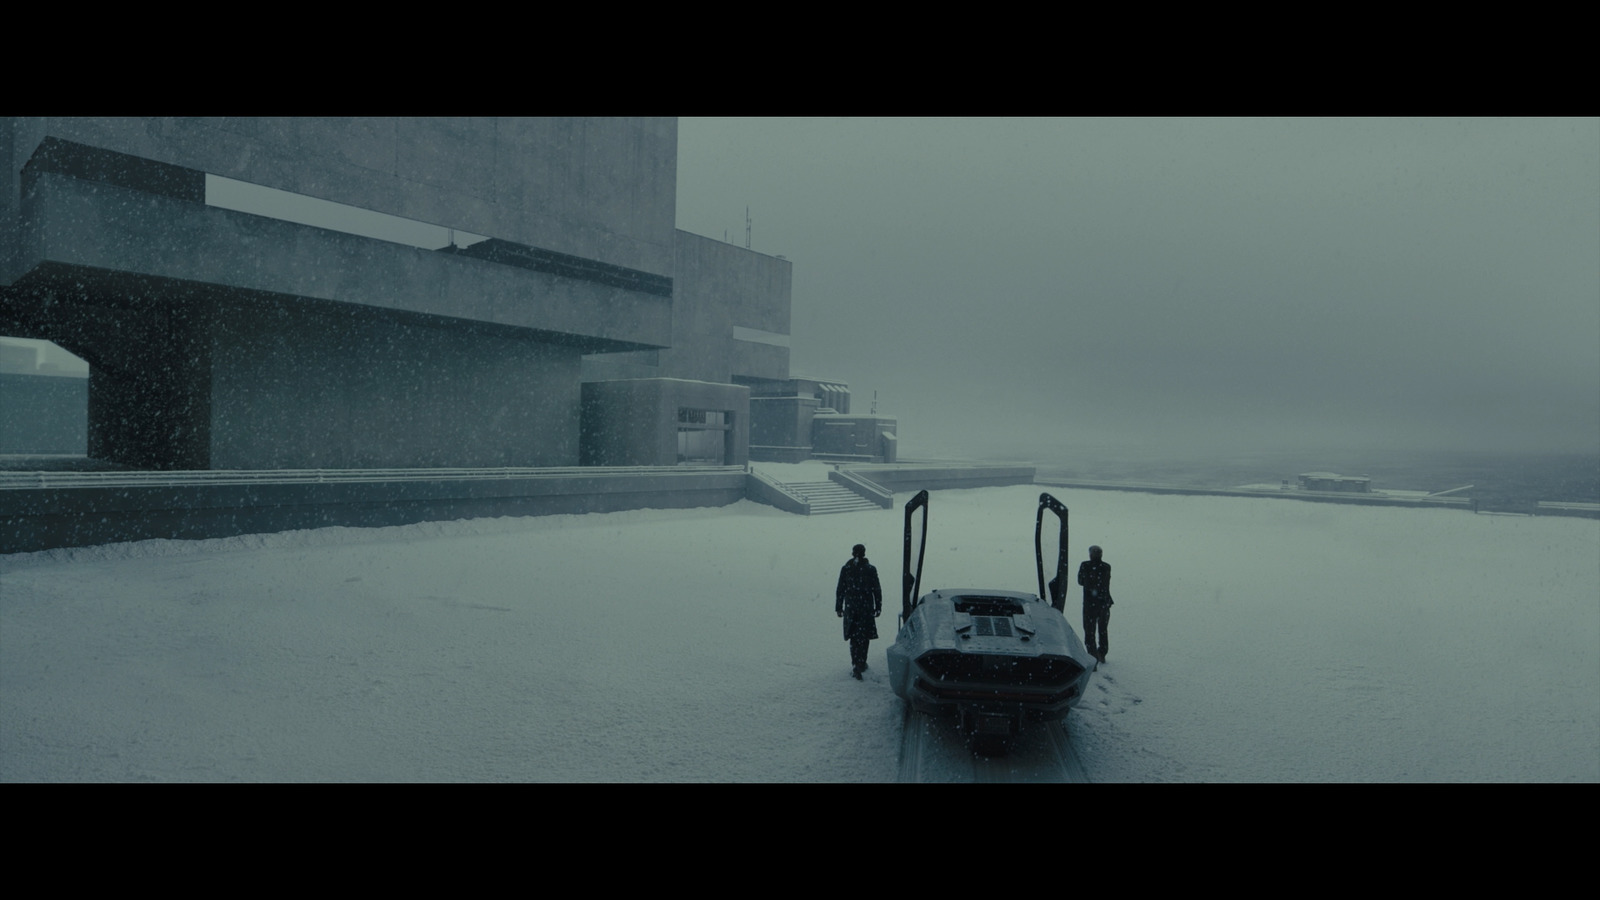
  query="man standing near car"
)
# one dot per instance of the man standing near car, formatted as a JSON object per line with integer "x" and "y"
{"x": 1095, "y": 577}
{"x": 858, "y": 600}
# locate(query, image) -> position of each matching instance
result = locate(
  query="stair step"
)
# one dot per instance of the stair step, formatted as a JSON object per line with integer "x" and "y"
{"x": 827, "y": 497}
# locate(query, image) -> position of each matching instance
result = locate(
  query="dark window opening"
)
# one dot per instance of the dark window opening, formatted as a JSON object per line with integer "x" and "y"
{"x": 704, "y": 436}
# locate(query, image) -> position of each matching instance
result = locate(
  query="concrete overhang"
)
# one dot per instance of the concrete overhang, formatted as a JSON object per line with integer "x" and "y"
{"x": 121, "y": 238}
{"x": 754, "y": 360}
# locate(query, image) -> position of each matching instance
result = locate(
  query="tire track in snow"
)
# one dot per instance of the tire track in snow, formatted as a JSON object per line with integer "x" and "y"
{"x": 933, "y": 751}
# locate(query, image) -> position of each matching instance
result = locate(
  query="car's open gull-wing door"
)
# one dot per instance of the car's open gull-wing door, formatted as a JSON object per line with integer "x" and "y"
{"x": 910, "y": 583}
{"x": 1057, "y": 585}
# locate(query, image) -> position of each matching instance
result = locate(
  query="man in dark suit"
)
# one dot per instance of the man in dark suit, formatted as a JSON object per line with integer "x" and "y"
{"x": 1095, "y": 576}
{"x": 858, "y": 600}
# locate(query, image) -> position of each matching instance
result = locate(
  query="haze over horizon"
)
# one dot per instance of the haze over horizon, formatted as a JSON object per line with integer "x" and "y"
{"x": 1181, "y": 286}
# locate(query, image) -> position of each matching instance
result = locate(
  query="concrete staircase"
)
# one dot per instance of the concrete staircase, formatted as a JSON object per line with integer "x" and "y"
{"x": 828, "y": 497}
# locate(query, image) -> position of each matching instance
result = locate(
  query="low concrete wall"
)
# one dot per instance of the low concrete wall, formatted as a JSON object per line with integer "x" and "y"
{"x": 1316, "y": 496}
{"x": 762, "y": 489}
{"x": 936, "y": 477}
{"x": 863, "y": 487}
{"x": 40, "y": 511}
{"x": 774, "y": 453}
{"x": 1561, "y": 508}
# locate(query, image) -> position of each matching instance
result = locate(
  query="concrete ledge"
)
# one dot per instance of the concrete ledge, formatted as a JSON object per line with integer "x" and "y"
{"x": 1567, "y": 508}
{"x": 1317, "y": 496}
{"x": 936, "y": 476}
{"x": 43, "y": 517}
{"x": 776, "y": 453}
{"x": 109, "y": 238}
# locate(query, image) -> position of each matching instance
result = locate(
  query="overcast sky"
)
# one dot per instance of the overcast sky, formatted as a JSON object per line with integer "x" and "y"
{"x": 1199, "y": 285}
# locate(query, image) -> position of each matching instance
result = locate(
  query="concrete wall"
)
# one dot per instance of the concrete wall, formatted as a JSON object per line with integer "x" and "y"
{"x": 10, "y": 202}
{"x": 635, "y": 422}
{"x": 716, "y": 287}
{"x": 850, "y": 435}
{"x": 780, "y": 428}
{"x": 719, "y": 286}
{"x": 266, "y": 385}
{"x": 834, "y": 395}
{"x": 40, "y": 518}
{"x": 598, "y": 188}
{"x": 328, "y": 389}
{"x": 149, "y": 386}
{"x": 934, "y": 477}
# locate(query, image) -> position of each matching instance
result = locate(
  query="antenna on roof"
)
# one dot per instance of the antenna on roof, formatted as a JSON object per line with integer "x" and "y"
{"x": 747, "y": 227}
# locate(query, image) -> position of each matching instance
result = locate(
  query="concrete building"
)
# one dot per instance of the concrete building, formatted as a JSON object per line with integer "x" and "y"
{"x": 843, "y": 437}
{"x": 796, "y": 419}
{"x": 222, "y": 339}
{"x": 228, "y": 336}
{"x": 664, "y": 422}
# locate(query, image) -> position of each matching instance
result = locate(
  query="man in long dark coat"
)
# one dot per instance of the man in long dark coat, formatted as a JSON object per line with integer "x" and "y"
{"x": 858, "y": 600}
{"x": 1095, "y": 576}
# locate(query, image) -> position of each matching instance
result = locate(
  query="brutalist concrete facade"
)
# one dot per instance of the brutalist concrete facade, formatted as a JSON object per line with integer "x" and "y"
{"x": 853, "y": 437}
{"x": 653, "y": 421}
{"x": 804, "y": 418}
{"x": 220, "y": 339}
{"x": 723, "y": 295}
{"x": 780, "y": 428}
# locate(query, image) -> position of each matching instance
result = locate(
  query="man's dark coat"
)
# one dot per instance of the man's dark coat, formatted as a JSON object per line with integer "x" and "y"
{"x": 860, "y": 598}
{"x": 1095, "y": 576}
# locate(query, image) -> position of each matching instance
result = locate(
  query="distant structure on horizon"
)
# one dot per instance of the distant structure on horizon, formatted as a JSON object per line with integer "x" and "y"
{"x": 563, "y": 321}
{"x": 1335, "y": 483}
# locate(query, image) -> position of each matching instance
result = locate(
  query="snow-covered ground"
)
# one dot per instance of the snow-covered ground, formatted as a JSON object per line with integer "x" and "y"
{"x": 1252, "y": 640}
